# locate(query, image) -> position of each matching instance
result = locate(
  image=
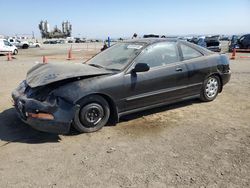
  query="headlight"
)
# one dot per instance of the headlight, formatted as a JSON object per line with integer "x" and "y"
{"x": 22, "y": 86}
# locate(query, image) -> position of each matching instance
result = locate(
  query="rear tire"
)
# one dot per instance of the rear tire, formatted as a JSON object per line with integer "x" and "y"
{"x": 25, "y": 46}
{"x": 210, "y": 89}
{"x": 94, "y": 113}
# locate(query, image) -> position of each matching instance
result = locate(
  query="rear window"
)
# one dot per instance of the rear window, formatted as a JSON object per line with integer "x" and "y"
{"x": 189, "y": 53}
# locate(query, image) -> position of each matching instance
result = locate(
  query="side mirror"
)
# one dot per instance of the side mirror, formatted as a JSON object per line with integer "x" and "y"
{"x": 141, "y": 67}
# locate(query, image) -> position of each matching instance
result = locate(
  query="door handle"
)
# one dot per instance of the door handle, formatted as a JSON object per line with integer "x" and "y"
{"x": 178, "y": 69}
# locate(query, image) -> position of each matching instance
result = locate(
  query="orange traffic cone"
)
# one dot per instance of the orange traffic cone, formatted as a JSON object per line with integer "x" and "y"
{"x": 70, "y": 54}
{"x": 45, "y": 60}
{"x": 9, "y": 57}
{"x": 233, "y": 54}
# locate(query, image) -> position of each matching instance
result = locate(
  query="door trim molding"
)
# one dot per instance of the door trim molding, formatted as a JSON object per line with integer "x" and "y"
{"x": 161, "y": 91}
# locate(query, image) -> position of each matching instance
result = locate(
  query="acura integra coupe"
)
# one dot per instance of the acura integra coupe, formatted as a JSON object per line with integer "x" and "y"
{"x": 126, "y": 78}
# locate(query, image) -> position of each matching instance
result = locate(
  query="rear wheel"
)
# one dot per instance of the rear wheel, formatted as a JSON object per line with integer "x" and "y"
{"x": 25, "y": 46}
{"x": 210, "y": 89}
{"x": 93, "y": 114}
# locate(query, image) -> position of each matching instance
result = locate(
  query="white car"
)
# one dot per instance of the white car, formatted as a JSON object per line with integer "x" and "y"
{"x": 18, "y": 43}
{"x": 6, "y": 47}
{"x": 34, "y": 45}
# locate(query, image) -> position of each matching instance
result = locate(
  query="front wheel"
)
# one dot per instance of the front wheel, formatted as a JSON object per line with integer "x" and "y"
{"x": 15, "y": 52}
{"x": 210, "y": 89}
{"x": 93, "y": 114}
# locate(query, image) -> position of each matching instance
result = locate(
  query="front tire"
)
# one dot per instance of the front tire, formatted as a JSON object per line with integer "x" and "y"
{"x": 210, "y": 89}
{"x": 15, "y": 52}
{"x": 93, "y": 114}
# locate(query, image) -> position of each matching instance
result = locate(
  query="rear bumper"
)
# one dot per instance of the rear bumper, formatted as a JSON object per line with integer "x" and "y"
{"x": 225, "y": 77}
{"x": 62, "y": 111}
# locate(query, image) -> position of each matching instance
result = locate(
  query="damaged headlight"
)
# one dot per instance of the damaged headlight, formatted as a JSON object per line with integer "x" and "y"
{"x": 22, "y": 86}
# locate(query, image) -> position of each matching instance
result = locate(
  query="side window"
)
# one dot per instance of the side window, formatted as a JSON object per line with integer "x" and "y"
{"x": 189, "y": 53}
{"x": 6, "y": 43}
{"x": 11, "y": 40}
{"x": 159, "y": 54}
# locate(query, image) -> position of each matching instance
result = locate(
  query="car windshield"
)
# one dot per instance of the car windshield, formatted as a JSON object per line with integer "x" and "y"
{"x": 117, "y": 57}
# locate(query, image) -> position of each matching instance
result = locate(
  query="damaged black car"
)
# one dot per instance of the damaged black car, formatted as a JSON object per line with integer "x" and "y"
{"x": 126, "y": 78}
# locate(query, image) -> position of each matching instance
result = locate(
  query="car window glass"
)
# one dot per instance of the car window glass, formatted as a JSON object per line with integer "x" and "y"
{"x": 189, "y": 53}
{"x": 159, "y": 54}
{"x": 117, "y": 56}
{"x": 6, "y": 43}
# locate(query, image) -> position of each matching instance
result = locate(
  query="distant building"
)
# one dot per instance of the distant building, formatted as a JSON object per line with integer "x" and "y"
{"x": 56, "y": 32}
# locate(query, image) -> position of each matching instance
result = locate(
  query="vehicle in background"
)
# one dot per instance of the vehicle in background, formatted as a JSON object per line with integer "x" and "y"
{"x": 156, "y": 36}
{"x": 80, "y": 40}
{"x": 50, "y": 42}
{"x": 6, "y": 47}
{"x": 34, "y": 45}
{"x": 202, "y": 42}
{"x": 210, "y": 42}
{"x": 61, "y": 41}
{"x": 193, "y": 40}
{"x": 213, "y": 43}
{"x": 18, "y": 43}
{"x": 241, "y": 42}
{"x": 225, "y": 38}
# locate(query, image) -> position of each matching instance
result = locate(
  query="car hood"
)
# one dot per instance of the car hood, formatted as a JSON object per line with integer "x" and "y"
{"x": 43, "y": 74}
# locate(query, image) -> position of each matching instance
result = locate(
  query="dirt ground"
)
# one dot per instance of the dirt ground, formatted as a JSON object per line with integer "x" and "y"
{"x": 189, "y": 144}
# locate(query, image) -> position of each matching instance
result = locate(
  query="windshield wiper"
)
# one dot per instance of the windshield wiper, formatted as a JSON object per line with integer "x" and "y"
{"x": 112, "y": 69}
{"x": 99, "y": 66}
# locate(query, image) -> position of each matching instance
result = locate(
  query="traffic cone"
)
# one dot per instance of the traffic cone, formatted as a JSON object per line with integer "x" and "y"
{"x": 45, "y": 60}
{"x": 9, "y": 57}
{"x": 233, "y": 54}
{"x": 70, "y": 54}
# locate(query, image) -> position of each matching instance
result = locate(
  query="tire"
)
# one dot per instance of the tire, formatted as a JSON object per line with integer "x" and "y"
{"x": 37, "y": 46}
{"x": 210, "y": 89}
{"x": 15, "y": 52}
{"x": 25, "y": 46}
{"x": 93, "y": 114}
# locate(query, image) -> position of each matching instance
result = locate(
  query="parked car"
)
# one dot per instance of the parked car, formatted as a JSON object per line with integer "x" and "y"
{"x": 18, "y": 43}
{"x": 80, "y": 40}
{"x": 50, "y": 42}
{"x": 241, "y": 42}
{"x": 210, "y": 42}
{"x": 126, "y": 78}
{"x": 34, "y": 45}
{"x": 6, "y": 47}
{"x": 213, "y": 43}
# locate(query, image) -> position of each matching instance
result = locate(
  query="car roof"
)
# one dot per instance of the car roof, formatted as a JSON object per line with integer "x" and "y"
{"x": 149, "y": 41}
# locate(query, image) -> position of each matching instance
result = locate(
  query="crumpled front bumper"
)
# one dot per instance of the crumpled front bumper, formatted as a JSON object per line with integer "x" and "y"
{"x": 62, "y": 111}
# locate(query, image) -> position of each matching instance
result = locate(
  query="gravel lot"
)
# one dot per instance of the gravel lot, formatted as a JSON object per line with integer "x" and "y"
{"x": 189, "y": 144}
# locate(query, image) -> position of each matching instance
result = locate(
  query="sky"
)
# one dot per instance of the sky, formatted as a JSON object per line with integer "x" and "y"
{"x": 122, "y": 18}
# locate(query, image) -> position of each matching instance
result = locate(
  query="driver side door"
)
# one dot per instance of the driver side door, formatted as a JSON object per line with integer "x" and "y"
{"x": 160, "y": 83}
